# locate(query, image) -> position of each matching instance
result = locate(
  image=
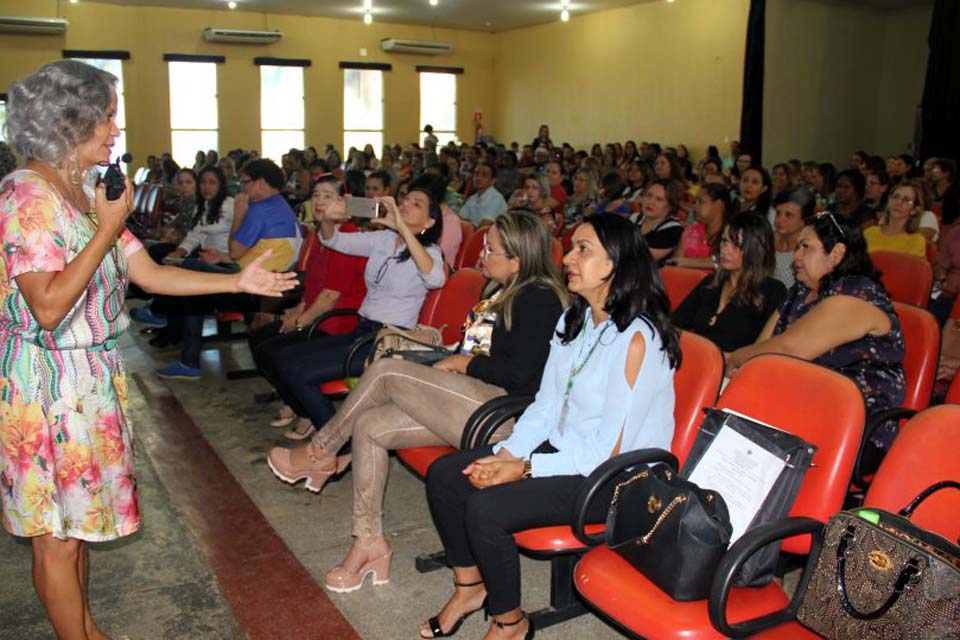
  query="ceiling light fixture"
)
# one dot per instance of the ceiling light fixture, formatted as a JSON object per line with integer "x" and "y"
{"x": 367, "y": 5}
{"x": 564, "y": 16}
{"x": 434, "y": 3}
{"x": 231, "y": 5}
{"x": 367, "y": 17}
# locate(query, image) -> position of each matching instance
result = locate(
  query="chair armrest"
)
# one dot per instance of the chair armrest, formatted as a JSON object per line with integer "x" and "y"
{"x": 358, "y": 344}
{"x": 511, "y": 408}
{"x": 601, "y": 476}
{"x": 485, "y": 413}
{"x": 741, "y": 551}
{"x": 874, "y": 422}
{"x": 333, "y": 313}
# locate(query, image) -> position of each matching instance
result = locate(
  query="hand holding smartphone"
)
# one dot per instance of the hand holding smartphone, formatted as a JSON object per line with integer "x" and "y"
{"x": 363, "y": 208}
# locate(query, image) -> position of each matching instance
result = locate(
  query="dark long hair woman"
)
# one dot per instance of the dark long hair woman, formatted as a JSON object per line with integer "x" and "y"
{"x": 607, "y": 389}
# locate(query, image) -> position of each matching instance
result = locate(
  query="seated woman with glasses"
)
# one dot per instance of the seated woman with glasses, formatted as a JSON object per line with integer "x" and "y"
{"x": 838, "y": 315}
{"x": 658, "y": 219}
{"x": 403, "y": 263}
{"x": 732, "y": 307}
{"x": 899, "y": 227}
{"x": 607, "y": 388}
{"x": 401, "y": 404}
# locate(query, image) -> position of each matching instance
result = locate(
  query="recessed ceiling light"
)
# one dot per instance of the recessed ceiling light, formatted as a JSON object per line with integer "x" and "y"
{"x": 367, "y": 18}
{"x": 564, "y": 16}
{"x": 433, "y": 3}
{"x": 73, "y": 1}
{"x": 231, "y": 5}
{"x": 367, "y": 5}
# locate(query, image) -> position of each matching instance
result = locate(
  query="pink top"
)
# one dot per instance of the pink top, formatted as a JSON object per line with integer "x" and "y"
{"x": 451, "y": 237}
{"x": 694, "y": 241}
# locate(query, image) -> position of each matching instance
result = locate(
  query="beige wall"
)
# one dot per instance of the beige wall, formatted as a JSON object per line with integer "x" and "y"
{"x": 149, "y": 32}
{"x": 904, "y": 68}
{"x": 841, "y": 77}
{"x": 651, "y": 71}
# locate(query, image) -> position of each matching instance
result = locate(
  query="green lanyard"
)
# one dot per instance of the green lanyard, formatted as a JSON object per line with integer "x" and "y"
{"x": 575, "y": 369}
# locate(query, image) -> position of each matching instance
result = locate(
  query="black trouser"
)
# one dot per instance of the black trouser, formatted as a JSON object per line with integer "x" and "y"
{"x": 477, "y": 525}
{"x": 266, "y": 343}
{"x": 297, "y": 370}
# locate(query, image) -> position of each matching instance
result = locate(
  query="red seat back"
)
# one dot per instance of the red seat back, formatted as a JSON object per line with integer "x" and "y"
{"x": 679, "y": 282}
{"x": 696, "y": 385}
{"x": 466, "y": 232}
{"x": 557, "y": 250}
{"x": 469, "y": 253}
{"x": 907, "y": 278}
{"x": 817, "y": 404}
{"x": 921, "y": 337}
{"x": 567, "y": 238}
{"x": 447, "y": 307}
{"x": 923, "y": 453}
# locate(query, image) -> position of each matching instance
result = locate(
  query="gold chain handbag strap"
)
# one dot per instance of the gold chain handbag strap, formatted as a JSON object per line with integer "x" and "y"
{"x": 663, "y": 516}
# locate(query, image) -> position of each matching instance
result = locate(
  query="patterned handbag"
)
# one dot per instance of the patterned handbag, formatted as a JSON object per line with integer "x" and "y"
{"x": 881, "y": 577}
{"x": 423, "y": 344}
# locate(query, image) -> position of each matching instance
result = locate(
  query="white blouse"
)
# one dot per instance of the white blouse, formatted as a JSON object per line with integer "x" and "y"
{"x": 601, "y": 404}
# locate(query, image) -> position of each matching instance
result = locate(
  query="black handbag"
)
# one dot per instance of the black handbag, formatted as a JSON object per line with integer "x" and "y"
{"x": 879, "y": 576}
{"x": 671, "y": 530}
{"x": 797, "y": 455}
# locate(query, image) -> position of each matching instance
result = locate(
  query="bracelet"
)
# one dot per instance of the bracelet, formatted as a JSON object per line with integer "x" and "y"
{"x": 297, "y": 326}
{"x": 527, "y": 470}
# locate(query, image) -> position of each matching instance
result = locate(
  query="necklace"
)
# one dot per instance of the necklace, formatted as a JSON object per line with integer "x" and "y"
{"x": 575, "y": 369}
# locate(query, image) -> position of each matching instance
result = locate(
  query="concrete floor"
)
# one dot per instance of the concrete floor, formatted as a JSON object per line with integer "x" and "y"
{"x": 157, "y": 584}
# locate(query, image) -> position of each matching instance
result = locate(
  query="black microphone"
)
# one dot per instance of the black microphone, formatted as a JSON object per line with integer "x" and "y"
{"x": 113, "y": 179}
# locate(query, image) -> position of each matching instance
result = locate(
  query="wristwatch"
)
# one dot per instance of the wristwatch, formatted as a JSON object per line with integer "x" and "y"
{"x": 527, "y": 470}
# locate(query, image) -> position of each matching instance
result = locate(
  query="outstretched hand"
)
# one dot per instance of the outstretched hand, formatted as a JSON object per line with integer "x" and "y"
{"x": 258, "y": 281}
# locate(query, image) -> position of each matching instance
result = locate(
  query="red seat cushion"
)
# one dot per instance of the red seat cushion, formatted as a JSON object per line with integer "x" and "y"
{"x": 334, "y": 388}
{"x": 229, "y": 316}
{"x": 552, "y": 539}
{"x": 612, "y": 585}
{"x": 419, "y": 459}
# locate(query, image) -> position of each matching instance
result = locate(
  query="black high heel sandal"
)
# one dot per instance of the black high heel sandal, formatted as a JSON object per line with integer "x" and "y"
{"x": 434, "y": 622}
{"x": 523, "y": 616}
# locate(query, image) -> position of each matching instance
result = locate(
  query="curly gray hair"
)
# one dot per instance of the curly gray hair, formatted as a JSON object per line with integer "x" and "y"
{"x": 58, "y": 107}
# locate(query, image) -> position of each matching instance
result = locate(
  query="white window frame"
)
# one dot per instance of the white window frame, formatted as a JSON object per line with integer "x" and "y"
{"x": 294, "y": 141}
{"x": 349, "y": 133}
{"x": 215, "y": 130}
{"x": 444, "y": 134}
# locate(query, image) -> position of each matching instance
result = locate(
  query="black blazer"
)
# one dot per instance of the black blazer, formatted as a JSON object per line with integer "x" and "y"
{"x": 517, "y": 357}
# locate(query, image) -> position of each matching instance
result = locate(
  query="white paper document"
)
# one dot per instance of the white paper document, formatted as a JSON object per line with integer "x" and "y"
{"x": 742, "y": 472}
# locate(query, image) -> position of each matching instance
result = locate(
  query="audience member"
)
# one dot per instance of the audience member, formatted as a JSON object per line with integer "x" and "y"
{"x": 899, "y": 227}
{"x": 584, "y": 196}
{"x": 486, "y": 203}
{"x": 619, "y": 398}
{"x": 699, "y": 245}
{"x": 794, "y": 209}
{"x": 849, "y": 202}
{"x": 658, "y": 220}
{"x": 733, "y": 306}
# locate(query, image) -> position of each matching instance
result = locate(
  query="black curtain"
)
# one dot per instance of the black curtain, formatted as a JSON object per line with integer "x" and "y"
{"x": 751, "y": 113}
{"x": 940, "y": 120}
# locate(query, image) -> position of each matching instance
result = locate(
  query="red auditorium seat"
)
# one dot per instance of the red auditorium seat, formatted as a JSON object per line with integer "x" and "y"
{"x": 470, "y": 250}
{"x": 679, "y": 282}
{"x": 908, "y": 279}
{"x": 557, "y": 248}
{"x": 567, "y": 237}
{"x": 823, "y": 407}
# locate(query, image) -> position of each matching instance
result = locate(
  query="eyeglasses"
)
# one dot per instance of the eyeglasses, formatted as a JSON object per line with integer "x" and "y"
{"x": 382, "y": 271}
{"x": 833, "y": 219}
{"x": 487, "y": 252}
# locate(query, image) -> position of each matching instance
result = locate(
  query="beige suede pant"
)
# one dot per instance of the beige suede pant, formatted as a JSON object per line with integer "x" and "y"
{"x": 396, "y": 405}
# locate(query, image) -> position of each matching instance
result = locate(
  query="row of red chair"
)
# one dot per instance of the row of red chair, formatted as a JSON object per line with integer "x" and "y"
{"x": 471, "y": 246}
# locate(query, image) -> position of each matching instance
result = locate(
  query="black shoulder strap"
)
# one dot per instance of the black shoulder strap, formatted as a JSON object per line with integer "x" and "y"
{"x": 908, "y": 510}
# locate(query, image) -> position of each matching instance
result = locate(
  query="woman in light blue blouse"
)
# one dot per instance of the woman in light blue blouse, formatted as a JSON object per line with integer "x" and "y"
{"x": 607, "y": 388}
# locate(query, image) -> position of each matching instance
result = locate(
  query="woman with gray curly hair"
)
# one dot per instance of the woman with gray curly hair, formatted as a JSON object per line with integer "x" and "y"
{"x": 66, "y": 457}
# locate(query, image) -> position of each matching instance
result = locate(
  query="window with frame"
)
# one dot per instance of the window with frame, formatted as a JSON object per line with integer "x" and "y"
{"x": 362, "y": 109}
{"x": 438, "y": 106}
{"x": 193, "y": 110}
{"x": 281, "y": 110}
{"x": 116, "y": 68}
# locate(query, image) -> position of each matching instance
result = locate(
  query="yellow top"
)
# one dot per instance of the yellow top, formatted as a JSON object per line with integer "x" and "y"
{"x": 912, "y": 243}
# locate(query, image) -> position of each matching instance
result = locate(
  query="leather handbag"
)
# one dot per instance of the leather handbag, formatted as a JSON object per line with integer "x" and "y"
{"x": 881, "y": 577}
{"x": 671, "y": 530}
{"x": 423, "y": 344}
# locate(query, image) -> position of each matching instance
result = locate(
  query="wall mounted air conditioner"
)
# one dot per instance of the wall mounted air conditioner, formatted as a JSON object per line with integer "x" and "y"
{"x": 241, "y": 36}
{"x": 423, "y": 47}
{"x": 37, "y": 26}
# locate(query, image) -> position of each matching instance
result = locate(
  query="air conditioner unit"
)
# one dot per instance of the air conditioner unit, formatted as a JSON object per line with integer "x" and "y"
{"x": 38, "y": 26}
{"x": 241, "y": 36}
{"x": 423, "y": 47}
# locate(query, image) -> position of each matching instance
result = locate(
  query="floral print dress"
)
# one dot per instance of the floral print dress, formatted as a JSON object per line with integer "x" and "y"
{"x": 66, "y": 449}
{"x": 874, "y": 363}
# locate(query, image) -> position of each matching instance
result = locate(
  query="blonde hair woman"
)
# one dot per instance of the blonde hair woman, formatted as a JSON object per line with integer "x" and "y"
{"x": 899, "y": 227}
